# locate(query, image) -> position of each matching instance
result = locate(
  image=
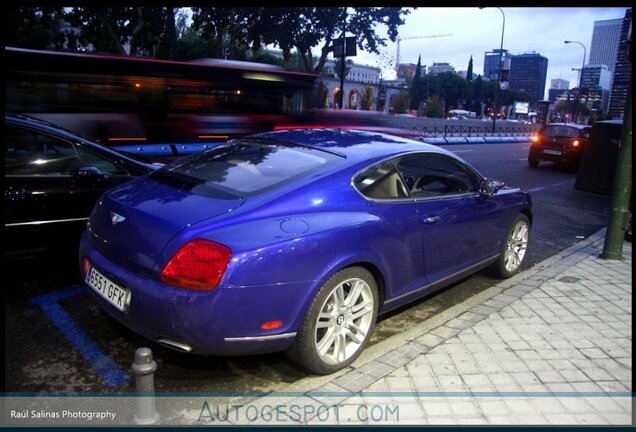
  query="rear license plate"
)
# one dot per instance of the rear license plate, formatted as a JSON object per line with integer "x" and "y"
{"x": 552, "y": 152}
{"x": 109, "y": 290}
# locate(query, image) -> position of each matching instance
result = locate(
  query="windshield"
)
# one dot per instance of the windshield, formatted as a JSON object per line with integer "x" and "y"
{"x": 560, "y": 131}
{"x": 244, "y": 167}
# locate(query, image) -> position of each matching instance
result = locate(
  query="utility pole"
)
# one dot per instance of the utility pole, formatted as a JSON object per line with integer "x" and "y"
{"x": 579, "y": 96}
{"x": 342, "y": 68}
{"x": 621, "y": 191}
{"x": 503, "y": 28}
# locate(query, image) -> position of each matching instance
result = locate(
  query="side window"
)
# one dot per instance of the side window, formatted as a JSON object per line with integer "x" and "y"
{"x": 32, "y": 153}
{"x": 381, "y": 182}
{"x": 90, "y": 159}
{"x": 433, "y": 175}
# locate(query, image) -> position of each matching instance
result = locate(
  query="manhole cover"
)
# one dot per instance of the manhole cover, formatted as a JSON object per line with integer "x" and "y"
{"x": 569, "y": 279}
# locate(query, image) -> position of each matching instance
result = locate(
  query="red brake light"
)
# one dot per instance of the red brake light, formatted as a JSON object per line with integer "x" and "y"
{"x": 575, "y": 143}
{"x": 199, "y": 264}
{"x": 85, "y": 266}
{"x": 535, "y": 139}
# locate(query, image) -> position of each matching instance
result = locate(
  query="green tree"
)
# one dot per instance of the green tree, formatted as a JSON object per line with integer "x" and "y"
{"x": 469, "y": 71}
{"x": 434, "y": 107}
{"x": 367, "y": 98}
{"x": 416, "y": 90}
{"x": 107, "y": 29}
{"x": 34, "y": 27}
{"x": 304, "y": 28}
{"x": 400, "y": 102}
{"x": 191, "y": 46}
{"x": 450, "y": 87}
{"x": 232, "y": 31}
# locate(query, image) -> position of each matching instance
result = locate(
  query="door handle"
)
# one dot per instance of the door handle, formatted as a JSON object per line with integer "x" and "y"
{"x": 431, "y": 220}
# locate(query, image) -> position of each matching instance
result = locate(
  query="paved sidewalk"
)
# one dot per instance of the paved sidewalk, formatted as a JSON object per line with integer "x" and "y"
{"x": 552, "y": 345}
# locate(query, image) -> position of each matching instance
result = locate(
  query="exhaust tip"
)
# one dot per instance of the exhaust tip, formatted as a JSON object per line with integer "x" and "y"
{"x": 179, "y": 346}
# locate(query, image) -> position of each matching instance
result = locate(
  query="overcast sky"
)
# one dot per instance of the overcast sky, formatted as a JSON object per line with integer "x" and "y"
{"x": 475, "y": 31}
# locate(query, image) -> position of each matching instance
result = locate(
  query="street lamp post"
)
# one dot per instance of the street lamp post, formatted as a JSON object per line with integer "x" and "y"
{"x": 503, "y": 28}
{"x": 580, "y": 76}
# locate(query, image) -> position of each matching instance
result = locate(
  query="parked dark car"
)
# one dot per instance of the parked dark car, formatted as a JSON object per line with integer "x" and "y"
{"x": 559, "y": 142}
{"x": 53, "y": 178}
{"x": 295, "y": 240}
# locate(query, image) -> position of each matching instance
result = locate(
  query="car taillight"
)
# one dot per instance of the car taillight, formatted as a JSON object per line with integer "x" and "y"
{"x": 85, "y": 266}
{"x": 575, "y": 143}
{"x": 199, "y": 264}
{"x": 535, "y": 139}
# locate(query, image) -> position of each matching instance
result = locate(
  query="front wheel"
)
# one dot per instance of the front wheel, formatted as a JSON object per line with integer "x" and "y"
{"x": 514, "y": 248}
{"x": 338, "y": 323}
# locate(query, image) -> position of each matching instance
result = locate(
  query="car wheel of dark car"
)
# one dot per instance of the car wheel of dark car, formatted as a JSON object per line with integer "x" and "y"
{"x": 533, "y": 161}
{"x": 514, "y": 248}
{"x": 338, "y": 323}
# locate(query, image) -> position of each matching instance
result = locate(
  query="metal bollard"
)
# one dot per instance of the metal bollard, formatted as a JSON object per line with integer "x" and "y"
{"x": 143, "y": 368}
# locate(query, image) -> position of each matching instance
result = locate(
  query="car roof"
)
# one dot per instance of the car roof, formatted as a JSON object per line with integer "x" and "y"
{"x": 44, "y": 126}
{"x": 355, "y": 145}
{"x": 572, "y": 125}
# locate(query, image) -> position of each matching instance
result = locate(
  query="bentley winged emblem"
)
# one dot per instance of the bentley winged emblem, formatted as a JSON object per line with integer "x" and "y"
{"x": 116, "y": 218}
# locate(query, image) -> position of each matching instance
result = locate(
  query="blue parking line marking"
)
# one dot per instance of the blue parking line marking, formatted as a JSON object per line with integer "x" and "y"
{"x": 107, "y": 369}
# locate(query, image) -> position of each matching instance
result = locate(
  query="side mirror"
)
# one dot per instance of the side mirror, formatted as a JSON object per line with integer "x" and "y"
{"x": 486, "y": 188}
{"x": 89, "y": 175}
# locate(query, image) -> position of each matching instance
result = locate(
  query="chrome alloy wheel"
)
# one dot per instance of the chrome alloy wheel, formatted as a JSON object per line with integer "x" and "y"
{"x": 344, "y": 321}
{"x": 516, "y": 246}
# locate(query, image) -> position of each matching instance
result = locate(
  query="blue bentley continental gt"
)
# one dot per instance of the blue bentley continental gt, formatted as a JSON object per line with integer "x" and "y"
{"x": 295, "y": 240}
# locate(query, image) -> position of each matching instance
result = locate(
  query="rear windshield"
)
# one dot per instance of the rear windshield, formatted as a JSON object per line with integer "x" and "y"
{"x": 244, "y": 167}
{"x": 560, "y": 131}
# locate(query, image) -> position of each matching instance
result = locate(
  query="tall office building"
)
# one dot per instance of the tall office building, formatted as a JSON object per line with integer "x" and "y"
{"x": 491, "y": 63}
{"x": 559, "y": 84}
{"x": 622, "y": 72}
{"x": 528, "y": 72}
{"x": 605, "y": 38}
{"x": 555, "y": 94}
{"x": 596, "y": 75}
{"x": 595, "y": 85}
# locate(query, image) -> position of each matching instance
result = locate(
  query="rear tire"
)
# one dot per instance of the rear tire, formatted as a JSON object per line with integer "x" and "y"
{"x": 514, "y": 249}
{"x": 533, "y": 161}
{"x": 338, "y": 322}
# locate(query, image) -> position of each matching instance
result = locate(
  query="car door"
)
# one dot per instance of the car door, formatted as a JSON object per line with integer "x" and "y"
{"x": 399, "y": 234}
{"x": 458, "y": 225}
{"x": 46, "y": 202}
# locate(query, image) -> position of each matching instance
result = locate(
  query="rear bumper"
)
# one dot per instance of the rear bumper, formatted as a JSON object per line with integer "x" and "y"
{"x": 224, "y": 321}
{"x": 564, "y": 154}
